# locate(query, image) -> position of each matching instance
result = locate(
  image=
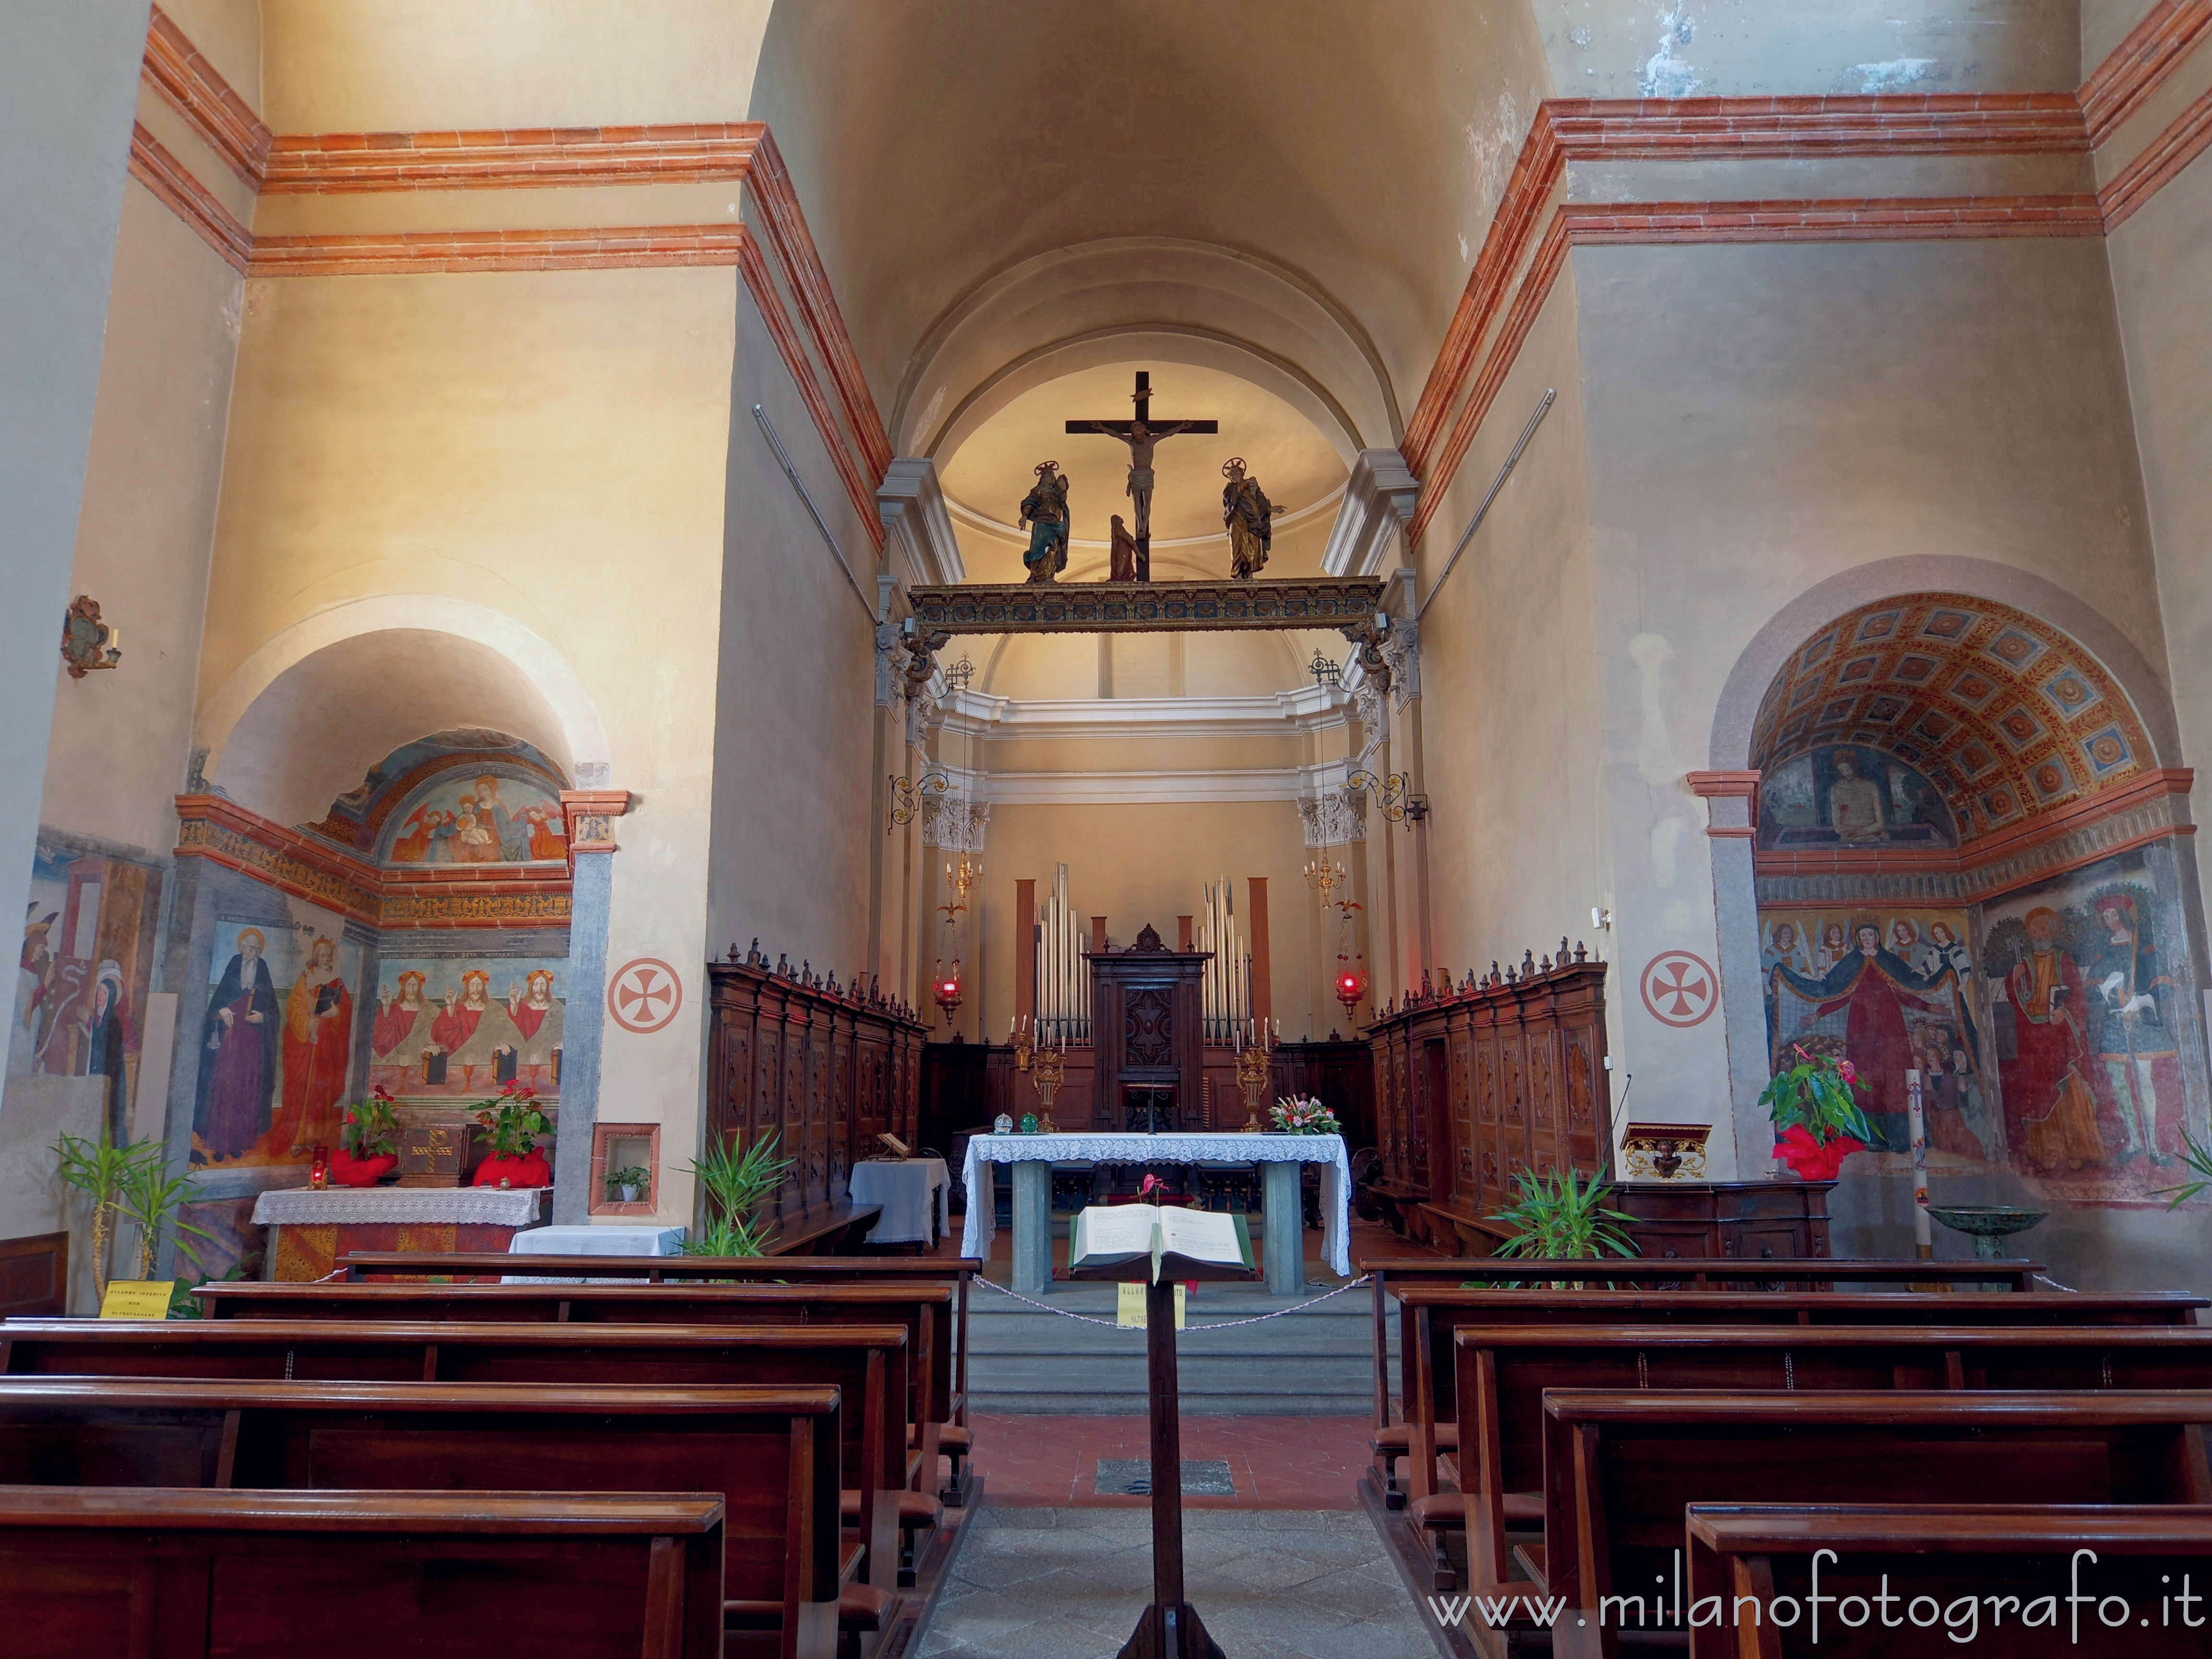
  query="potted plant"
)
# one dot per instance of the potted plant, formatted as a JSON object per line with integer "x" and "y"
{"x": 1816, "y": 1114}
{"x": 734, "y": 1182}
{"x": 368, "y": 1141}
{"x": 1558, "y": 1217}
{"x": 1302, "y": 1116}
{"x": 151, "y": 1198}
{"x": 512, "y": 1121}
{"x": 2199, "y": 1160}
{"x": 97, "y": 1172}
{"x": 624, "y": 1185}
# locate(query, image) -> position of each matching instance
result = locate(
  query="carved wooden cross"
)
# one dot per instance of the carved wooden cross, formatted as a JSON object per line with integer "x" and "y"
{"x": 1140, "y": 432}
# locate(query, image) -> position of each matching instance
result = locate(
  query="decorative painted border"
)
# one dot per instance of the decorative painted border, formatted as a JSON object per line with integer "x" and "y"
{"x": 223, "y": 832}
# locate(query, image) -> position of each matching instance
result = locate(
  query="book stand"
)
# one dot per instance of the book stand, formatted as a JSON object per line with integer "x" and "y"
{"x": 1170, "y": 1628}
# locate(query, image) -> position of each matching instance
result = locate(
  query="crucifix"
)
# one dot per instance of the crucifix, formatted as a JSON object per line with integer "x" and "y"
{"x": 1141, "y": 434}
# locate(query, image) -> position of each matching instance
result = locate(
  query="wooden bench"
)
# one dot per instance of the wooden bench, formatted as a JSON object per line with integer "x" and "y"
{"x": 101, "y": 1571}
{"x": 1463, "y": 1232}
{"x": 1503, "y": 1371}
{"x": 1984, "y": 1554}
{"x": 1431, "y": 1307}
{"x": 1621, "y": 1469}
{"x": 954, "y": 1438}
{"x": 867, "y": 1363}
{"x": 826, "y": 1229}
{"x": 768, "y": 1454}
{"x": 922, "y": 1308}
{"x": 34, "y": 1275}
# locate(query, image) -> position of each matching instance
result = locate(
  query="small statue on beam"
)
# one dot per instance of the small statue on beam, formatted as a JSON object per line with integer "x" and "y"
{"x": 1122, "y": 567}
{"x": 1044, "y": 514}
{"x": 1248, "y": 516}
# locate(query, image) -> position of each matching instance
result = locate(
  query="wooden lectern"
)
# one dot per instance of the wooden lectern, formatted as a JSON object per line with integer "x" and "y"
{"x": 1170, "y": 1628}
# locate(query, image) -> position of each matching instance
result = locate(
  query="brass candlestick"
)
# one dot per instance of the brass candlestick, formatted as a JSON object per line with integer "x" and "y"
{"x": 1047, "y": 1070}
{"x": 1254, "y": 1067}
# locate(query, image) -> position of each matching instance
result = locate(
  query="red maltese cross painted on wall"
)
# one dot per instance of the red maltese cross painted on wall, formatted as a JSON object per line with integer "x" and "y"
{"x": 1679, "y": 988}
{"x": 644, "y": 995}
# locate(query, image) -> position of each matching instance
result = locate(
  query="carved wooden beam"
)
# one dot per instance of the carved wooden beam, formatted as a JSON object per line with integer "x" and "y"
{"x": 1347, "y": 603}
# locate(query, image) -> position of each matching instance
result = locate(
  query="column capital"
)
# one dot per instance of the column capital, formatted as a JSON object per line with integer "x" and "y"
{"x": 590, "y": 815}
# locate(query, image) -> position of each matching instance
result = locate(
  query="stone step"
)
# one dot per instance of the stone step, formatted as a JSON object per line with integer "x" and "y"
{"x": 1314, "y": 1361}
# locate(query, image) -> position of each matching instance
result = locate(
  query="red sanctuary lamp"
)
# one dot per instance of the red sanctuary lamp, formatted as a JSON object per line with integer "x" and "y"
{"x": 1351, "y": 969}
{"x": 945, "y": 986}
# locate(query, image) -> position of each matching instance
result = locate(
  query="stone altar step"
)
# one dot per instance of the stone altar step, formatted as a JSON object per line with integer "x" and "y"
{"x": 1314, "y": 1362}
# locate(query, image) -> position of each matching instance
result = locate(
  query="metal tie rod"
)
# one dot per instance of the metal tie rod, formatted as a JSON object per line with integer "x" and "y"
{"x": 1482, "y": 512}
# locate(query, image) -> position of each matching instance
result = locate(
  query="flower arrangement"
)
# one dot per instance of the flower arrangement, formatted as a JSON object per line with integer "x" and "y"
{"x": 1303, "y": 1116}
{"x": 368, "y": 1141}
{"x": 1817, "y": 1116}
{"x": 512, "y": 1121}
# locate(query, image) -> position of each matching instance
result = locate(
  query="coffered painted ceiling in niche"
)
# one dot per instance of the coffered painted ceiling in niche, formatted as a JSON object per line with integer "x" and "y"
{"x": 2006, "y": 715}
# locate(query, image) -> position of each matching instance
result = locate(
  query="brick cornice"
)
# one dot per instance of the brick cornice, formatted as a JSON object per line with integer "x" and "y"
{"x": 2182, "y": 142}
{"x": 189, "y": 84}
{"x": 2139, "y": 65}
{"x": 1723, "y": 785}
{"x": 425, "y": 252}
{"x": 1666, "y": 129}
{"x": 336, "y": 163}
{"x": 153, "y": 166}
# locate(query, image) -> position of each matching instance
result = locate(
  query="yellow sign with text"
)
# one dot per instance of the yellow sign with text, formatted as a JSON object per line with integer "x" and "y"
{"x": 142, "y": 1298}
{"x": 1129, "y": 1309}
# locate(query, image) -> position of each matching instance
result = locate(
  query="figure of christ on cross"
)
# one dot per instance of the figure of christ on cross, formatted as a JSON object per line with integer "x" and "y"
{"x": 1141, "y": 434}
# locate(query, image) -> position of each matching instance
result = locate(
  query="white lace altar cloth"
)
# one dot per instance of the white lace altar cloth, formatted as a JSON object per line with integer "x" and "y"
{"x": 1327, "y": 1151}
{"x": 372, "y": 1206}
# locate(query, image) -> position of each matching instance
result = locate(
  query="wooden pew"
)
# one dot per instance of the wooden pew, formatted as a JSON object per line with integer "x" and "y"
{"x": 1429, "y": 1313}
{"x": 2145, "y": 1556}
{"x": 1620, "y": 1470}
{"x": 922, "y": 1308}
{"x": 826, "y": 1229}
{"x": 1504, "y": 1372}
{"x": 101, "y": 1571}
{"x": 769, "y": 1455}
{"x": 954, "y": 1438}
{"x": 867, "y": 1364}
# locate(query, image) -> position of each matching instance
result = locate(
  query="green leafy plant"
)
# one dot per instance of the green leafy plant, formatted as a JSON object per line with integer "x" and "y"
{"x": 1558, "y": 1217}
{"x": 99, "y": 1172}
{"x": 151, "y": 1197}
{"x": 2199, "y": 1159}
{"x": 371, "y": 1128}
{"x": 734, "y": 1183}
{"x": 511, "y": 1120}
{"x": 633, "y": 1177}
{"x": 1817, "y": 1118}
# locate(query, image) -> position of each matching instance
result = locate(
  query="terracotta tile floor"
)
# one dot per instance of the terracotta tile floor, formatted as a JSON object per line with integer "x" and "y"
{"x": 1276, "y": 1463}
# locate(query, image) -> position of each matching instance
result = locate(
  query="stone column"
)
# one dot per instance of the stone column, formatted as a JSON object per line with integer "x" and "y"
{"x": 591, "y": 814}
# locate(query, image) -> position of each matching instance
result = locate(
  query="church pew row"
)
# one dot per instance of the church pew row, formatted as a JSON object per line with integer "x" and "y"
{"x": 362, "y": 1267}
{"x": 768, "y": 1454}
{"x": 167, "y": 1574}
{"x": 867, "y": 1363}
{"x": 924, "y": 1308}
{"x": 1967, "y": 1561}
{"x": 1430, "y": 1312}
{"x": 1621, "y": 1469}
{"x": 1505, "y": 1371}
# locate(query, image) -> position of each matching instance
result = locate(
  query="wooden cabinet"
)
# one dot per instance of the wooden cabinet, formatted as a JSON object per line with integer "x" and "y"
{"x": 1753, "y": 1219}
{"x": 1473, "y": 1086}
{"x": 826, "y": 1072}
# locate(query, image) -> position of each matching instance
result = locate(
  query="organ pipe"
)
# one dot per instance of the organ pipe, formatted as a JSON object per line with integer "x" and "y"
{"x": 1063, "y": 977}
{"x": 1227, "y": 982}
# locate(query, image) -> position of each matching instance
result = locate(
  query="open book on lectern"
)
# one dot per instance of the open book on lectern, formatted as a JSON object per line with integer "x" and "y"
{"x": 1123, "y": 1241}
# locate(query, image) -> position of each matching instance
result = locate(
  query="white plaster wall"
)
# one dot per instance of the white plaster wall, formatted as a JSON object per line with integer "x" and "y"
{"x": 2161, "y": 265}
{"x": 69, "y": 77}
{"x": 795, "y": 698}
{"x": 122, "y": 739}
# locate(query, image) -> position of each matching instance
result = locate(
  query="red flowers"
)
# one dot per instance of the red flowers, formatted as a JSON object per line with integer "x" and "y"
{"x": 1815, "y": 1160}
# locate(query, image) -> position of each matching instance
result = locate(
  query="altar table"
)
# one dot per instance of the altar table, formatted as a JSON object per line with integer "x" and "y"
{"x": 309, "y": 1231}
{"x": 905, "y": 1187}
{"x": 1278, "y": 1156}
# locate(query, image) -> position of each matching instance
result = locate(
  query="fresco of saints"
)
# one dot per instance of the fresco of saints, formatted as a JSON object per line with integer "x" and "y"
{"x": 238, "y": 1053}
{"x": 472, "y": 1028}
{"x": 537, "y": 1018}
{"x": 476, "y": 838}
{"x": 1872, "y": 988}
{"x": 2128, "y": 1027}
{"x": 2049, "y": 1110}
{"x": 548, "y": 838}
{"x": 317, "y": 1045}
{"x": 1854, "y": 801}
{"x": 1833, "y": 948}
{"x": 107, "y": 1039}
